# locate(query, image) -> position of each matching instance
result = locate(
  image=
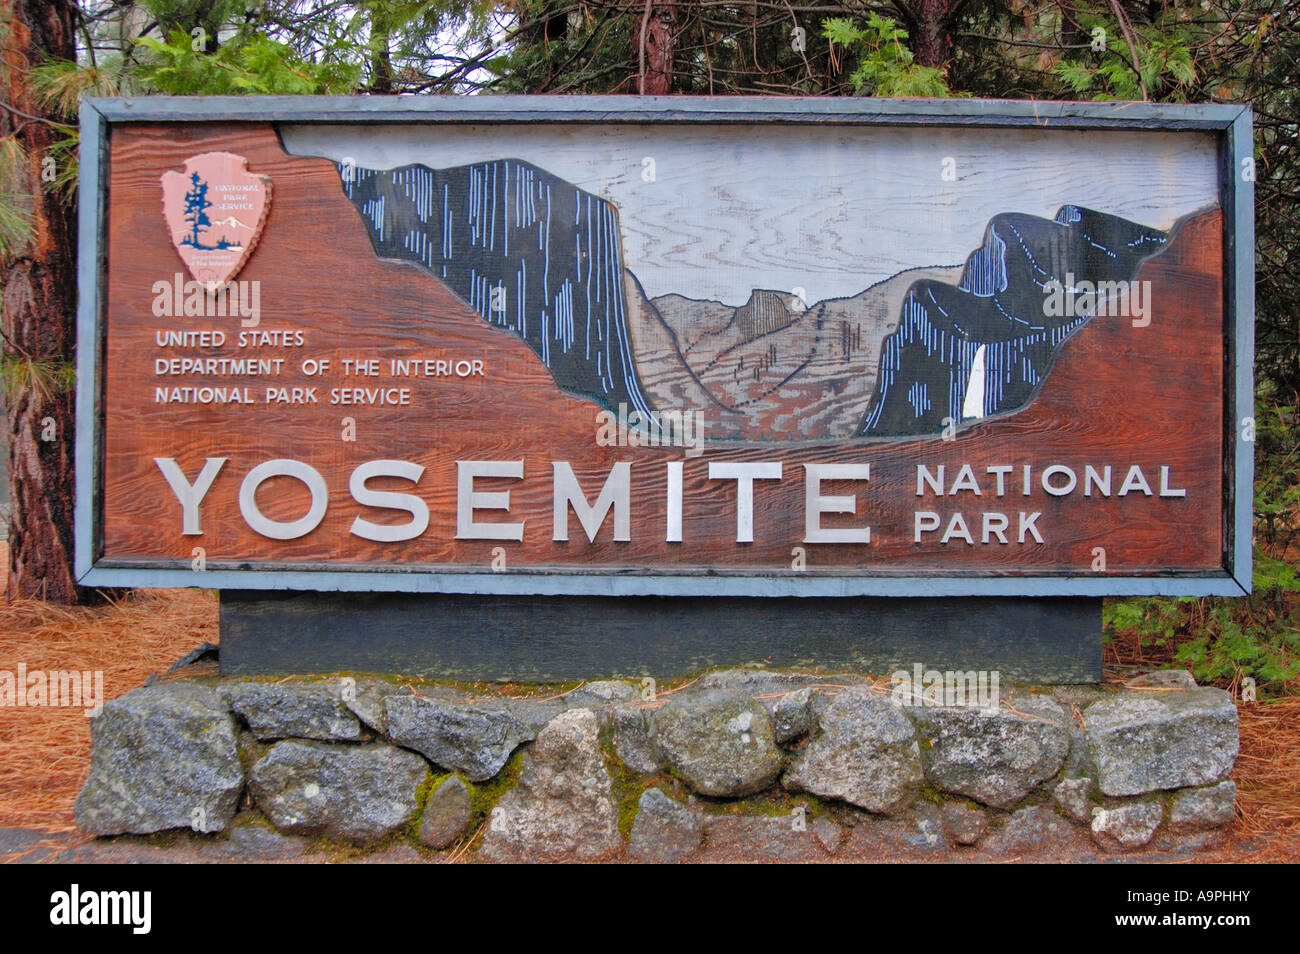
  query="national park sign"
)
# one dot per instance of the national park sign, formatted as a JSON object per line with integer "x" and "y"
{"x": 665, "y": 346}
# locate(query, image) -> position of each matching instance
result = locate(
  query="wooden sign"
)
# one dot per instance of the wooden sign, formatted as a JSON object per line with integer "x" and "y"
{"x": 680, "y": 346}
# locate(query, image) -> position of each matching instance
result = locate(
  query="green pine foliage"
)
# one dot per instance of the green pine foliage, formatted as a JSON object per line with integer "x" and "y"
{"x": 1158, "y": 61}
{"x": 1223, "y": 640}
{"x": 257, "y": 66}
{"x": 885, "y": 66}
{"x": 15, "y": 203}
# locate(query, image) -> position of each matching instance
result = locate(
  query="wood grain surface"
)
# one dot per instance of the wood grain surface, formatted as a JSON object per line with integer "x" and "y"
{"x": 830, "y": 209}
{"x": 1119, "y": 396}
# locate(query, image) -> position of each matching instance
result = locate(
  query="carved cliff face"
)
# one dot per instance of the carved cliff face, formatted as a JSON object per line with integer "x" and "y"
{"x": 1000, "y": 328}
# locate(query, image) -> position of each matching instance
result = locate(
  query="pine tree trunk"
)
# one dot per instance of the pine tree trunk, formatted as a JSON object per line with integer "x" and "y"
{"x": 929, "y": 26}
{"x": 659, "y": 42}
{"x": 38, "y": 296}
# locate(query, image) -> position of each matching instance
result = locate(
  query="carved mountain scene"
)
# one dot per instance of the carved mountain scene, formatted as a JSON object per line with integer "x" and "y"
{"x": 541, "y": 258}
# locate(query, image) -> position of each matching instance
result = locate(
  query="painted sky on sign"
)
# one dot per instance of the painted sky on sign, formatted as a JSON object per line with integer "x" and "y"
{"x": 713, "y": 212}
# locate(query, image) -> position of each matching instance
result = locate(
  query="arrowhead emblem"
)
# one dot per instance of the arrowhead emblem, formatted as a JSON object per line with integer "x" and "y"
{"x": 215, "y": 211}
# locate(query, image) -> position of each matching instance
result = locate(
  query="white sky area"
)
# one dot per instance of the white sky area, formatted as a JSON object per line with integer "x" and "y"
{"x": 825, "y": 211}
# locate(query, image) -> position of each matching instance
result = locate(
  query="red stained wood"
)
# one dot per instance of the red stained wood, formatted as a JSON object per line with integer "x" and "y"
{"x": 1119, "y": 395}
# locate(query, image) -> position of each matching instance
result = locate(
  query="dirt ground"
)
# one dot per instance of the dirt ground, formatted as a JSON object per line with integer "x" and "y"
{"x": 45, "y": 752}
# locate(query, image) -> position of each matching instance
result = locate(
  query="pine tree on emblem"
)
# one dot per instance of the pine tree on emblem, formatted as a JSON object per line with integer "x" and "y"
{"x": 196, "y": 207}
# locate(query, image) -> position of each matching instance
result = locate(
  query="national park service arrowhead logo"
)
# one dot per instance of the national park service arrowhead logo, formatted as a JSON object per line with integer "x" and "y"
{"x": 215, "y": 210}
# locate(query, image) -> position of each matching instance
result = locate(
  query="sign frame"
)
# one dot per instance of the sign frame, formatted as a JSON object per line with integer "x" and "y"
{"x": 1231, "y": 123}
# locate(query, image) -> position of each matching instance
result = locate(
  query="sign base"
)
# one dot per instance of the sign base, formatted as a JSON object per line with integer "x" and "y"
{"x": 562, "y": 638}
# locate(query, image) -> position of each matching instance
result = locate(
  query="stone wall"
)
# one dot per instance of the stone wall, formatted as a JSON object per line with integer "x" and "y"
{"x": 738, "y": 763}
